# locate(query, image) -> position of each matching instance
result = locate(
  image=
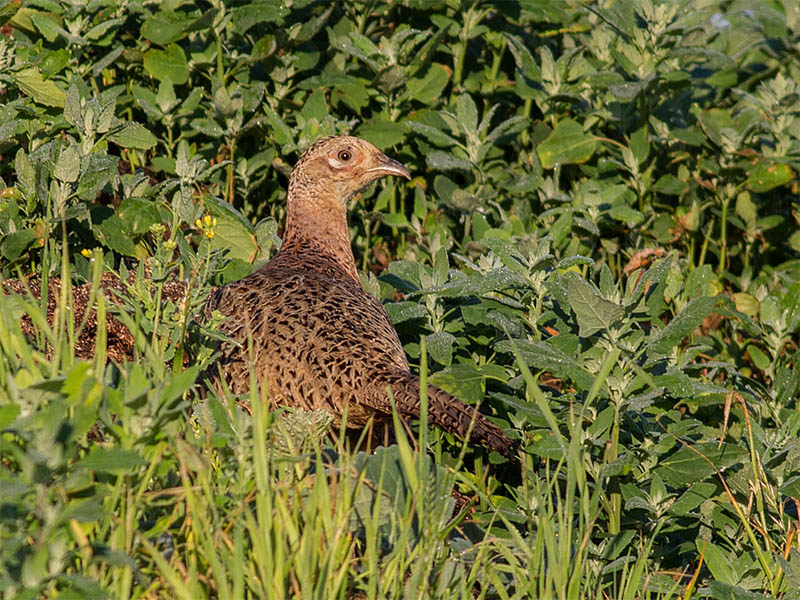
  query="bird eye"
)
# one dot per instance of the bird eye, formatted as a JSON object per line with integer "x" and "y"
{"x": 344, "y": 156}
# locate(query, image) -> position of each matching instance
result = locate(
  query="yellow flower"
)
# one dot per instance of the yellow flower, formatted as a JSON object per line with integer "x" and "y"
{"x": 206, "y": 225}
{"x": 86, "y": 253}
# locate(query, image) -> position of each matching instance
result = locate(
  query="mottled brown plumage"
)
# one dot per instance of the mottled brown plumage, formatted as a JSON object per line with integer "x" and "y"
{"x": 319, "y": 340}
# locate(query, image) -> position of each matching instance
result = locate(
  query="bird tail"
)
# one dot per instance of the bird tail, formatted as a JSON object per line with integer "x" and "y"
{"x": 449, "y": 413}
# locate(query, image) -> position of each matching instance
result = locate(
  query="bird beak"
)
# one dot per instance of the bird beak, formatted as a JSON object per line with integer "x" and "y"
{"x": 389, "y": 166}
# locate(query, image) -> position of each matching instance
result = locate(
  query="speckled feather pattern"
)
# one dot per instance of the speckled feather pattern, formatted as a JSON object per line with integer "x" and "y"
{"x": 319, "y": 340}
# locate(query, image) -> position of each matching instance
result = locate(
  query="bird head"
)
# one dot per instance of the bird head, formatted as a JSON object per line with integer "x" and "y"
{"x": 341, "y": 166}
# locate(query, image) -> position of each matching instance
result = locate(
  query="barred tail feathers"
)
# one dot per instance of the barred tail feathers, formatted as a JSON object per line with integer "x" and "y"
{"x": 449, "y": 413}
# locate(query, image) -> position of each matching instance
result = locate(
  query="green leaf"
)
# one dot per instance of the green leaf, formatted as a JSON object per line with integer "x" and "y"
{"x": 43, "y": 91}
{"x": 282, "y": 133}
{"x": 696, "y": 463}
{"x": 134, "y": 135}
{"x": 384, "y": 134}
{"x": 232, "y": 232}
{"x": 714, "y": 121}
{"x": 692, "y": 498}
{"x": 466, "y": 381}
{"x": 8, "y": 8}
{"x": 725, "y": 591}
{"x": 165, "y": 26}
{"x": 16, "y": 243}
{"x": 544, "y": 356}
{"x": 405, "y": 311}
{"x": 467, "y": 114}
{"x": 167, "y": 64}
{"x": 68, "y": 164}
{"x": 440, "y": 347}
{"x": 111, "y": 460}
{"x": 567, "y": 144}
{"x": 444, "y": 161}
{"x": 746, "y": 209}
{"x": 437, "y": 136}
{"x": 766, "y": 176}
{"x": 266, "y": 11}
{"x": 681, "y": 326}
{"x": 760, "y": 360}
{"x": 110, "y": 231}
{"x": 138, "y": 214}
{"x": 626, "y": 214}
{"x": 428, "y": 88}
{"x": 717, "y": 562}
{"x": 316, "y": 106}
{"x": 594, "y": 313}
{"x": 640, "y": 144}
{"x": 95, "y": 175}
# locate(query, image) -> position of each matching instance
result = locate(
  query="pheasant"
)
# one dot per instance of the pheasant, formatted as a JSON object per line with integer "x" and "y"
{"x": 319, "y": 340}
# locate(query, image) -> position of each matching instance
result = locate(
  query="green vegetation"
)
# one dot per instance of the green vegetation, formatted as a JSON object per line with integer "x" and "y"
{"x": 600, "y": 245}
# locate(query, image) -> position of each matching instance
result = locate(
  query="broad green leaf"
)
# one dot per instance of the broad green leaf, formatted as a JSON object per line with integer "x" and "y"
{"x": 99, "y": 171}
{"x": 689, "y": 465}
{"x": 180, "y": 383}
{"x": 68, "y": 164}
{"x": 404, "y": 311}
{"x": 567, "y": 144}
{"x": 134, "y": 135}
{"x": 8, "y": 414}
{"x": 766, "y": 176}
{"x": 440, "y": 346}
{"x": 714, "y": 121}
{"x": 14, "y": 244}
{"x": 316, "y": 106}
{"x": 437, "y": 136}
{"x": 281, "y": 131}
{"x": 8, "y": 8}
{"x": 746, "y": 209}
{"x": 692, "y": 498}
{"x": 428, "y": 88}
{"x": 165, "y": 26}
{"x": 232, "y": 232}
{"x": 681, "y": 326}
{"x": 593, "y": 312}
{"x": 544, "y": 356}
{"x": 167, "y": 64}
{"x": 384, "y": 134}
{"x": 111, "y": 460}
{"x": 717, "y": 561}
{"x": 138, "y": 214}
{"x": 110, "y": 231}
{"x": 626, "y": 214}
{"x": 43, "y": 91}
{"x": 720, "y": 590}
{"x": 265, "y": 11}
{"x": 467, "y": 114}
{"x": 444, "y": 161}
{"x": 466, "y": 381}
{"x": 640, "y": 144}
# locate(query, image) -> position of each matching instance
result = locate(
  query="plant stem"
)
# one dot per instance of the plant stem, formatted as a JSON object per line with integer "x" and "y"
{"x": 723, "y": 243}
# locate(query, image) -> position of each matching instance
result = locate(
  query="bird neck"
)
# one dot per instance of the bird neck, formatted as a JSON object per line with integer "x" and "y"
{"x": 317, "y": 232}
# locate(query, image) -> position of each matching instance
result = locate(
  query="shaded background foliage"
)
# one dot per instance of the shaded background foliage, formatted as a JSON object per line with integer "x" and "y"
{"x": 599, "y": 244}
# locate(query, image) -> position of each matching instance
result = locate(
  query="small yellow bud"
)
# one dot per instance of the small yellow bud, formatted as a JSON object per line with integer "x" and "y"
{"x": 86, "y": 253}
{"x": 210, "y": 234}
{"x": 199, "y": 224}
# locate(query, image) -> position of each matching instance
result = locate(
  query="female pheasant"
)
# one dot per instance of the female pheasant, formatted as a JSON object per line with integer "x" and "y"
{"x": 319, "y": 340}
